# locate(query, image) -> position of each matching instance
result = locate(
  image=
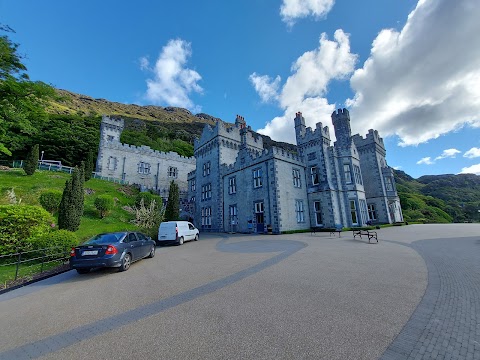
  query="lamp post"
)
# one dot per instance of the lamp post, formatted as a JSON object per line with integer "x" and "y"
{"x": 41, "y": 158}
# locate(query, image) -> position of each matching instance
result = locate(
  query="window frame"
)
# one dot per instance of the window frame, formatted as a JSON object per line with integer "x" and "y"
{"x": 314, "y": 175}
{"x": 257, "y": 178}
{"x": 297, "y": 178}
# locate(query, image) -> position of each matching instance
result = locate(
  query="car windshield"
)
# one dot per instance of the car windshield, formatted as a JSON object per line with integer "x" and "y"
{"x": 106, "y": 238}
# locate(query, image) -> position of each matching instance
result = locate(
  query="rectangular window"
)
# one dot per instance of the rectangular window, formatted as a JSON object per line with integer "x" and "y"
{"x": 206, "y": 168}
{"x": 358, "y": 175}
{"x": 192, "y": 199}
{"x": 193, "y": 185}
{"x": 300, "y": 211}
{"x": 259, "y": 207}
{"x": 172, "y": 172}
{"x": 296, "y": 178}
{"x": 363, "y": 210}
{"x": 314, "y": 174}
{"x": 112, "y": 163}
{"x": 389, "y": 183}
{"x": 257, "y": 178}
{"x": 207, "y": 192}
{"x": 143, "y": 168}
{"x": 353, "y": 212}
{"x": 233, "y": 214}
{"x": 311, "y": 156}
{"x": 232, "y": 185}
{"x": 348, "y": 174}
{"x": 318, "y": 213}
{"x": 207, "y": 216}
{"x": 372, "y": 212}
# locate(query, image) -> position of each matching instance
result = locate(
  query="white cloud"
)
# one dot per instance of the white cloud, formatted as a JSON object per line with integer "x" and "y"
{"x": 422, "y": 82}
{"x": 426, "y": 161}
{"x": 472, "y": 153}
{"x": 173, "y": 82}
{"x": 295, "y": 9}
{"x": 305, "y": 89}
{"x": 265, "y": 86}
{"x": 474, "y": 169}
{"x": 449, "y": 153}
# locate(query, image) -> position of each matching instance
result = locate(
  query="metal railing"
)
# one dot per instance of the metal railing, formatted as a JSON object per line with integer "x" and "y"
{"x": 28, "y": 263}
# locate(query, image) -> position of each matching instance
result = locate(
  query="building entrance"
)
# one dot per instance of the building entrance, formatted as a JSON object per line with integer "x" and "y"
{"x": 259, "y": 217}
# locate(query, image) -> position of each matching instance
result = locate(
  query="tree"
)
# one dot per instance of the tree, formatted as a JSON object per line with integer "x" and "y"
{"x": 71, "y": 206}
{"x": 172, "y": 212}
{"x": 31, "y": 161}
{"x": 103, "y": 203}
{"x": 89, "y": 165}
{"x": 22, "y": 102}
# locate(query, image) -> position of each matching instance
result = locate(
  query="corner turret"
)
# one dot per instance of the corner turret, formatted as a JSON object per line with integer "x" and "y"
{"x": 300, "y": 127}
{"x": 341, "y": 125}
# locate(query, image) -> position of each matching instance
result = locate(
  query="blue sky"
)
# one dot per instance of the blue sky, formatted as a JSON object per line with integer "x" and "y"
{"x": 408, "y": 68}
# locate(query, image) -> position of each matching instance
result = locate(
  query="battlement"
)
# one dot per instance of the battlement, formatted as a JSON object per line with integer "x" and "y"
{"x": 320, "y": 133}
{"x": 371, "y": 138}
{"x": 250, "y": 157}
{"x": 113, "y": 121}
{"x": 147, "y": 151}
{"x": 232, "y": 133}
{"x": 341, "y": 113}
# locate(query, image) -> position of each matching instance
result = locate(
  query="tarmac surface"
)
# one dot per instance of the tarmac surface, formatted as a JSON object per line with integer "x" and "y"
{"x": 414, "y": 295}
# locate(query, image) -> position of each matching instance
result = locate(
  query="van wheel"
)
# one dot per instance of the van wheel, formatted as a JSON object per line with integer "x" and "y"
{"x": 196, "y": 237}
{"x": 180, "y": 241}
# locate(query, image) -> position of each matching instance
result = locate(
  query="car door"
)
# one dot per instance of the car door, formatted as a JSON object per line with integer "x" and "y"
{"x": 192, "y": 231}
{"x": 145, "y": 245}
{"x": 134, "y": 245}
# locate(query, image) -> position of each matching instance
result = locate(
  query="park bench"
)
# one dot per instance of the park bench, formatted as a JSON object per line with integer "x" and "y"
{"x": 370, "y": 234}
{"x": 332, "y": 231}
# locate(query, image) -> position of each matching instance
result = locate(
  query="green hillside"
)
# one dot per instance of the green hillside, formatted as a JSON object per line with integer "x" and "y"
{"x": 27, "y": 190}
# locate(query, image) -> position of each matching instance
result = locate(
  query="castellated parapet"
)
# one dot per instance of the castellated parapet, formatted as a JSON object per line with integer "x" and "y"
{"x": 248, "y": 157}
{"x": 230, "y": 135}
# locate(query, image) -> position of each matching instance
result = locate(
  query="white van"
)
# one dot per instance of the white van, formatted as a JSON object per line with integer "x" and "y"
{"x": 177, "y": 231}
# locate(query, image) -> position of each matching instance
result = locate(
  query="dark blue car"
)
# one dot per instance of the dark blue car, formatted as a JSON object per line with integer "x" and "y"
{"x": 118, "y": 249}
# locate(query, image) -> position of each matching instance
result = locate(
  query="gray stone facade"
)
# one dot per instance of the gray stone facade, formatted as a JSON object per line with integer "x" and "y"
{"x": 239, "y": 186}
{"x": 141, "y": 165}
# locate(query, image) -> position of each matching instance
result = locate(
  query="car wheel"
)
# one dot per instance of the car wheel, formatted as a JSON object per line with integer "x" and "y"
{"x": 152, "y": 252}
{"x": 83, "y": 270}
{"x": 180, "y": 241}
{"x": 126, "y": 262}
{"x": 196, "y": 237}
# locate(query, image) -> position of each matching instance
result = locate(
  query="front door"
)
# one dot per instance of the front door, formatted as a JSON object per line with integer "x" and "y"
{"x": 259, "y": 217}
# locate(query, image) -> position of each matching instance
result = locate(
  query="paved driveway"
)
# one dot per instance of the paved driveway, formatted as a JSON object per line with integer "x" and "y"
{"x": 296, "y": 296}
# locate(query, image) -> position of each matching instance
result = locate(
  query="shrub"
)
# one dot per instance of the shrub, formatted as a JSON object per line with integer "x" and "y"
{"x": 21, "y": 226}
{"x": 147, "y": 199}
{"x": 148, "y": 218}
{"x": 50, "y": 200}
{"x": 103, "y": 203}
{"x": 57, "y": 241}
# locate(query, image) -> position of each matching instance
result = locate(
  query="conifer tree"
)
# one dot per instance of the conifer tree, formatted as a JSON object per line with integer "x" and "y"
{"x": 71, "y": 206}
{"x": 172, "y": 212}
{"x": 31, "y": 161}
{"x": 89, "y": 165}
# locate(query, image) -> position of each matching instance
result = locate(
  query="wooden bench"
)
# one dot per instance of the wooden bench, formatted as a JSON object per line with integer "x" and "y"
{"x": 370, "y": 234}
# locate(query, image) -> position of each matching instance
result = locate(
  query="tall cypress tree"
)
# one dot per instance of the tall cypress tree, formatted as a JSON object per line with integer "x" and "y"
{"x": 71, "y": 206}
{"x": 89, "y": 165}
{"x": 172, "y": 211}
{"x": 31, "y": 161}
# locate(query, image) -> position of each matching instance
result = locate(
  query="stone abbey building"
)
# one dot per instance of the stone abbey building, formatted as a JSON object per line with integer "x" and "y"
{"x": 235, "y": 184}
